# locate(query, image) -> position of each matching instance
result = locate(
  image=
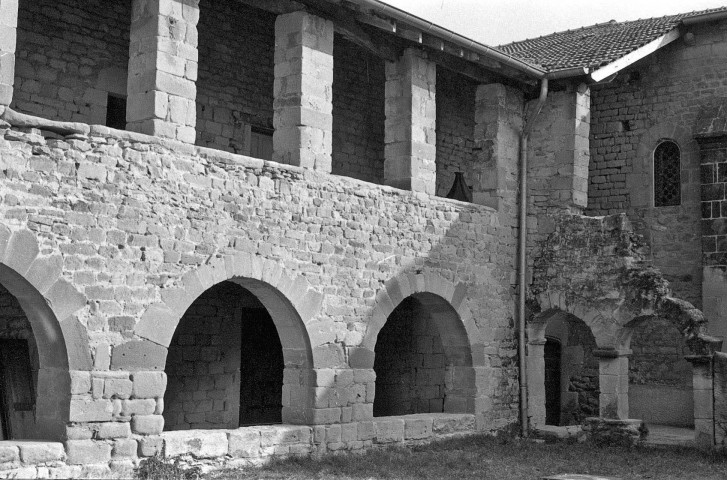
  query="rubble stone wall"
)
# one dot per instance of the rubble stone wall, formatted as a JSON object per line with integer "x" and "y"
{"x": 235, "y": 83}
{"x": 70, "y": 56}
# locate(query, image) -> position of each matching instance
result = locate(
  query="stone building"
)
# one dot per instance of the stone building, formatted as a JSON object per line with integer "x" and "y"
{"x": 224, "y": 229}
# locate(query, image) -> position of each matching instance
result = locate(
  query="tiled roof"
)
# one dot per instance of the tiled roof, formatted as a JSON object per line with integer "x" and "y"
{"x": 596, "y": 45}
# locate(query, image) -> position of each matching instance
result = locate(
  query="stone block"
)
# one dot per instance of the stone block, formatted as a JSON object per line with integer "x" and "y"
{"x": 366, "y": 431}
{"x": 37, "y": 453}
{"x": 138, "y": 355}
{"x": 125, "y": 447}
{"x": 147, "y": 424}
{"x": 117, "y": 388}
{"x": 417, "y": 428}
{"x": 349, "y": 432}
{"x": 284, "y": 434}
{"x": 8, "y": 454}
{"x": 150, "y": 446}
{"x": 87, "y": 451}
{"x": 389, "y": 430}
{"x": 80, "y": 382}
{"x": 200, "y": 443}
{"x": 88, "y": 410}
{"x": 132, "y": 407}
{"x": 79, "y": 432}
{"x": 149, "y": 384}
{"x": 244, "y": 442}
{"x": 114, "y": 430}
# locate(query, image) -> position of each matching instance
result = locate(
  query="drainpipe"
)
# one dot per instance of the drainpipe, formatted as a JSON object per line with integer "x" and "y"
{"x": 522, "y": 255}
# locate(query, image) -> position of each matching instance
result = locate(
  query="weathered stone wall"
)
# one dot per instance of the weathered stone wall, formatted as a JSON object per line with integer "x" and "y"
{"x": 410, "y": 363}
{"x": 235, "y": 84}
{"x": 658, "y": 355}
{"x": 358, "y": 112}
{"x": 455, "y": 128}
{"x": 134, "y": 221}
{"x": 657, "y": 98}
{"x": 70, "y": 56}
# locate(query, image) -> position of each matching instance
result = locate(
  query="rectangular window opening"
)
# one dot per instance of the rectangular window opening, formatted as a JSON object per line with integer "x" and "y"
{"x": 116, "y": 112}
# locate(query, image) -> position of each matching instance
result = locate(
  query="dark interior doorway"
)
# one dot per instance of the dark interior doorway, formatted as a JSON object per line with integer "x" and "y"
{"x": 16, "y": 389}
{"x": 261, "y": 369}
{"x": 552, "y": 381}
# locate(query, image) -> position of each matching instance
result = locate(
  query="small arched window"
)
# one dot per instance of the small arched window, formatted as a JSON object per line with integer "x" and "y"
{"x": 667, "y": 176}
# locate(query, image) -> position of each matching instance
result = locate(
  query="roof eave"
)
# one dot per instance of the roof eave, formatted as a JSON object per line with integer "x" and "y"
{"x": 636, "y": 55}
{"x": 430, "y": 28}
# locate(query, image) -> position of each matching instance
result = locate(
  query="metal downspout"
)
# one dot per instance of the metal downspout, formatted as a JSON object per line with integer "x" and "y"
{"x": 522, "y": 257}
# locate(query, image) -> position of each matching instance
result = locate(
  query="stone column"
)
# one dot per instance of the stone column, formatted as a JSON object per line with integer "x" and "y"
{"x": 303, "y": 91}
{"x": 559, "y": 151}
{"x": 703, "y": 389}
{"x": 536, "y": 381}
{"x": 498, "y": 122}
{"x": 8, "y": 36}
{"x": 411, "y": 109}
{"x": 613, "y": 368}
{"x": 163, "y": 69}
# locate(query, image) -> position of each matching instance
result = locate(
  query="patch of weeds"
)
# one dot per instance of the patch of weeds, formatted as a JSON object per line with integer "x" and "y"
{"x": 157, "y": 468}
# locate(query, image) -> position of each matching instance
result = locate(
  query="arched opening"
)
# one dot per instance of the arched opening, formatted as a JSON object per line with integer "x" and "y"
{"x": 225, "y": 363}
{"x": 563, "y": 371}
{"x": 34, "y": 377}
{"x": 421, "y": 355}
{"x": 660, "y": 379}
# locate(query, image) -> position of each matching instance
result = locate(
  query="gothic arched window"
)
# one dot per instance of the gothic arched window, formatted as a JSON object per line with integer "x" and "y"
{"x": 667, "y": 177}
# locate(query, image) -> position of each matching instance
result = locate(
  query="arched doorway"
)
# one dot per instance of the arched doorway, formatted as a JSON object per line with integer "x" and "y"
{"x": 563, "y": 370}
{"x": 421, "y": 354}
{"x": 225, "y": 363}
{"x": 34, "y": 372}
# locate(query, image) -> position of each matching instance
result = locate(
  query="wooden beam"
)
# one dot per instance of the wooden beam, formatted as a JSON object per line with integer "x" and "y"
{"x": 351, "y": 30}
{"x": 278, "y": 7}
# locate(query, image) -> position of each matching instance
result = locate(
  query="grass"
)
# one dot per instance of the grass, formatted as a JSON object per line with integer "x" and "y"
{"x": 484, "y": 457}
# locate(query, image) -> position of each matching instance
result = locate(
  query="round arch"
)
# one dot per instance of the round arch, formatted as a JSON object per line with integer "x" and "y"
{"x": 49, "y": 303}
{"x": 290, "y": 301}
{"x": 461, "y": 339}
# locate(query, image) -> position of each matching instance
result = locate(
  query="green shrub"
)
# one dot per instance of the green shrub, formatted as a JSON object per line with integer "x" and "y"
{"x": 157, "y": 468}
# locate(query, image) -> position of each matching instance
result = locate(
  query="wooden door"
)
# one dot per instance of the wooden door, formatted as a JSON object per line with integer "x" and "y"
{"x": 16, "y": 388}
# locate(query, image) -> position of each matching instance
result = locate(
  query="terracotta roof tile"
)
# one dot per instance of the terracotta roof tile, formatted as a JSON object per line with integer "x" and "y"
{"x": 596, "y": 45}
